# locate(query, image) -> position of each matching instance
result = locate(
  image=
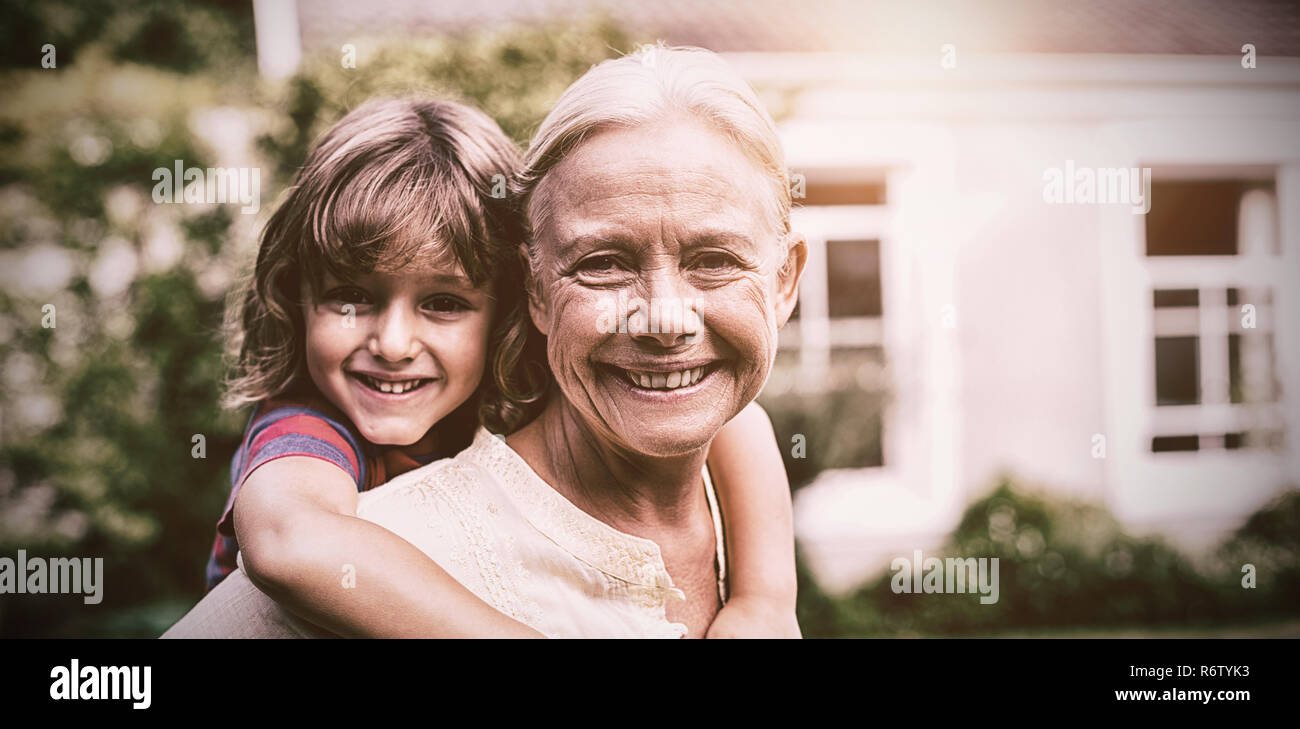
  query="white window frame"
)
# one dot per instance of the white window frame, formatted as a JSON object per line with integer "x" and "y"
{"x": 815, "y": 333}
{"x": 920, "y": 445}
{"x": 1147, "y": 487}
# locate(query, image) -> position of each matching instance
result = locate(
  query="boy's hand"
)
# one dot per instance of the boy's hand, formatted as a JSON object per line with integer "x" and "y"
{"x": 754, "y": 618}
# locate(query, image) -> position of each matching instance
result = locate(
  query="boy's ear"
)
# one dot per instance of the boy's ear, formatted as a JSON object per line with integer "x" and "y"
{"x": 787, "y": 284}
{"x": 537, "y": 309}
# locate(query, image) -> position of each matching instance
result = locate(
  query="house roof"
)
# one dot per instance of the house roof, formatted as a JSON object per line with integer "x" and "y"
{"x": 1198, "y": 27}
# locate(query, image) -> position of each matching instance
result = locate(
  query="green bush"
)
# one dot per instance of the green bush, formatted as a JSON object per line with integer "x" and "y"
{"x": 1269, "y": 542}
{"x": 102, "y": 408}
{"x": 1068, "y": 564}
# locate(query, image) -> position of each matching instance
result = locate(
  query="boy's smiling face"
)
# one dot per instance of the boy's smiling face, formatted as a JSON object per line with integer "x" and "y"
{"x": 397, "y": 352}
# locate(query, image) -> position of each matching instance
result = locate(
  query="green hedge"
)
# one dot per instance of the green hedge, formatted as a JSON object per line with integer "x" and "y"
{"x": 1066, "y": 564}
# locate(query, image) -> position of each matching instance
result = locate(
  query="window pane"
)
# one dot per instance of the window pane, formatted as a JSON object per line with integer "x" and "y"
{"x": 1253, "y": 295}
{"x": 1166, "y": 443}
{"x": 1177, "y": 371}
{"x": 853, "y": 277}
{"x": 822, "y": 191}
{"x": 1176, "y": 297}
{"x": 1250, "y": 368}
{"x": 1193, "y": 217}
{"x": 1234, "y": 369}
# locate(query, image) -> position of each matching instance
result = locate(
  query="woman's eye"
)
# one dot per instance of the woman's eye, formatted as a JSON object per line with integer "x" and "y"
{"x": 445, "y": 305}
{"x": 715, "y": 261}
{"x": 599, "y": 264}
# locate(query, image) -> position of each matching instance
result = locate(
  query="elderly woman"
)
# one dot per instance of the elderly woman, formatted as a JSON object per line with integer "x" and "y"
{"x": 655, "y": 185}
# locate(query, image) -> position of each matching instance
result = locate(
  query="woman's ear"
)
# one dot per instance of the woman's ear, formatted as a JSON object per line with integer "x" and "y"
{"x": 787, "y": 277}
{"x": 537, "y": 310}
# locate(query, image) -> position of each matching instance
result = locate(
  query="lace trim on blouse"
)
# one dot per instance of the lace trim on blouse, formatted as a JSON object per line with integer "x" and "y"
{"x": 630, "y": 558}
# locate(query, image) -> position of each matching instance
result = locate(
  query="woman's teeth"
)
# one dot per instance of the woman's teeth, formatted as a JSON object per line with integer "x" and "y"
{"x": 666, "y": 380}
{"x": 395, "y": 388}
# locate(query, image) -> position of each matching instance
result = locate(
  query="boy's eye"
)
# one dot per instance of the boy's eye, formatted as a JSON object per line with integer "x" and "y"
{"x": 445, "y": 304}
{"x": 348, "y": 295}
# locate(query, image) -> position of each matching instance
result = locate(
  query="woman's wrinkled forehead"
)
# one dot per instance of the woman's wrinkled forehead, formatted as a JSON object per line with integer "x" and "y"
{"x": 573, "y": 176}
{"x": 651, "y": 88}
{"x": 682, "y": 173}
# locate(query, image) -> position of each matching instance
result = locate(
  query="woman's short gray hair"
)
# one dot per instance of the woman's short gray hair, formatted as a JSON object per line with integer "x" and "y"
{"x": 647, "y": 86}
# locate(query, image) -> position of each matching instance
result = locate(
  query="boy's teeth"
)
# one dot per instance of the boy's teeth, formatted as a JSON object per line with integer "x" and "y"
{"x": 395, "y": 388}
{"x": 666, "y": 380}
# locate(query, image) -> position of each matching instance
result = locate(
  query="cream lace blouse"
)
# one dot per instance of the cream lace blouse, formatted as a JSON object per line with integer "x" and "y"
{"x": 488, "y": 519}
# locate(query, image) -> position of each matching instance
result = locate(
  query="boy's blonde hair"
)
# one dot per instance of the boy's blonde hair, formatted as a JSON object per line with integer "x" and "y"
{"x": 396, "y": 181}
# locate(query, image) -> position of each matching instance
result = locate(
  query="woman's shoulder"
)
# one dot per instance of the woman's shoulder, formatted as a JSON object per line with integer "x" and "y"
{"x": 458, "y": 513}
{"x": 236, "y": 608}
{"x": 463, "y": 476}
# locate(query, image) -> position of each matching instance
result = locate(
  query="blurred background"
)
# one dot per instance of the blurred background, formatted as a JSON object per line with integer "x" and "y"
{"x": 1105, "y": 401}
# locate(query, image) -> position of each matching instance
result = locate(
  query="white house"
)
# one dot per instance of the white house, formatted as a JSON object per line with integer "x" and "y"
{"x": 970, "y": 173}
{"x": 1150, "y": 362}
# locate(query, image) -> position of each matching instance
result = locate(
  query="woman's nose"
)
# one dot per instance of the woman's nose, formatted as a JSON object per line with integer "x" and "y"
{"x": 665, "y": 316}
{"x": 393, "y": 337}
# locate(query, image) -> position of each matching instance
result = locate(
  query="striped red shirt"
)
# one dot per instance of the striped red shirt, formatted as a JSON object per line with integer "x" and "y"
{"x": 306, "y": 424}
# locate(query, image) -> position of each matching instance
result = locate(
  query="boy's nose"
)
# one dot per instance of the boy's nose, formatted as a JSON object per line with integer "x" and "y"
{"x": 393, "y": 337}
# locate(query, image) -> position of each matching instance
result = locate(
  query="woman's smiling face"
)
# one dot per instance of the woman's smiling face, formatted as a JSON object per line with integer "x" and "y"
{"x": 397, "y": 352}
{"x": 670, "y": 216}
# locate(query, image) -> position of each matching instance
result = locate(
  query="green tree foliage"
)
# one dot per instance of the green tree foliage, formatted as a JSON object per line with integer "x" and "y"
{"x": 190, "y": 36}
{"x": 514, "y": 77}
{"x": 100, "y": 409}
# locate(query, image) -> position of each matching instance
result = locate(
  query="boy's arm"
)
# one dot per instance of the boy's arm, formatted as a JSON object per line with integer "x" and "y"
{"x": 297, "y": 526}
{"x": 754, "y": 492}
